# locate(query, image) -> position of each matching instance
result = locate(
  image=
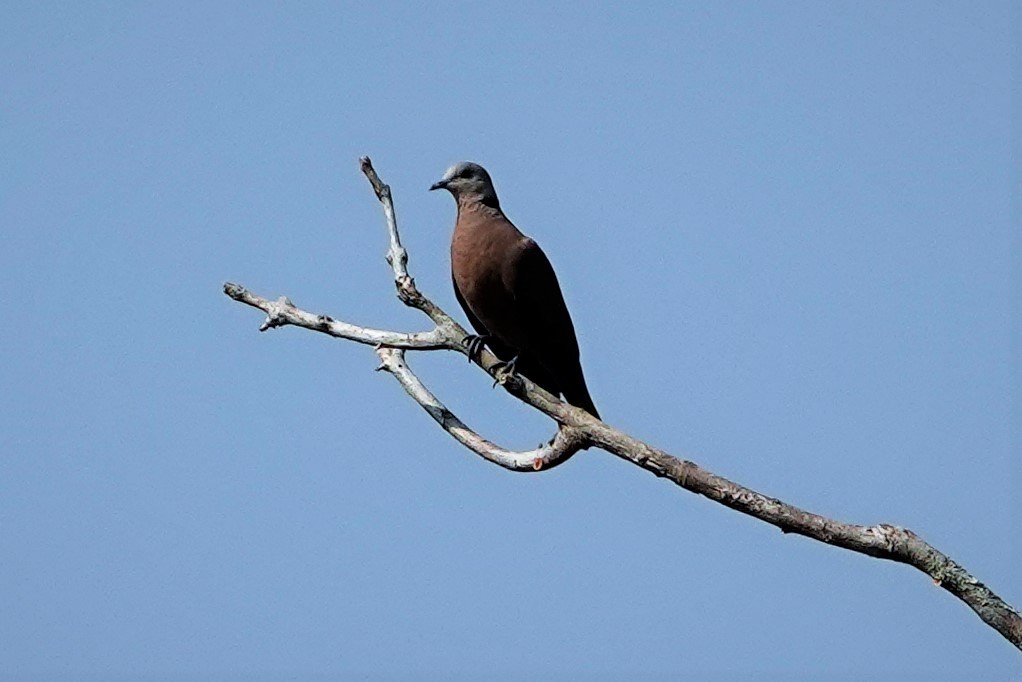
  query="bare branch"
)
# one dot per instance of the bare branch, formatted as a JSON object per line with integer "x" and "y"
{"x": 566, "y": 443}
{"x": 579, "y": 430}
{"x": 397, "y": 256}
{"x": 283, "y": 312}
{"x": 883, "y": 541}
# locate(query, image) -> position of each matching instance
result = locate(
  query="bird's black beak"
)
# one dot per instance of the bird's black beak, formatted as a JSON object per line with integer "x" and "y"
{"x": 440, "y": 184}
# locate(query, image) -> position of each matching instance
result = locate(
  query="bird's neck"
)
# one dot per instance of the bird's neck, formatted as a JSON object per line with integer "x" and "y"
{"x": 480, "y": 203}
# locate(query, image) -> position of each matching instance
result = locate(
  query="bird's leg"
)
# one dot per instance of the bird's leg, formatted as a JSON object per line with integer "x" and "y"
{"x": 474, "y": 344}
{"x": 503, "y": 369}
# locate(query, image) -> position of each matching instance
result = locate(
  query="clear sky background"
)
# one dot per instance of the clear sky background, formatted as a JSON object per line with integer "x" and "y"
{"x": 789, "y": 237}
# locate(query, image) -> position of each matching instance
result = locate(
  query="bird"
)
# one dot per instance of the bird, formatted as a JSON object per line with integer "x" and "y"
{"x": 509, "y": 291}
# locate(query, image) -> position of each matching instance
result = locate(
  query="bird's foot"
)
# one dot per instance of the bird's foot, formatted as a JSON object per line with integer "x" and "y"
{"x": 502, "y": 370}
{"x": 474, "y": 344}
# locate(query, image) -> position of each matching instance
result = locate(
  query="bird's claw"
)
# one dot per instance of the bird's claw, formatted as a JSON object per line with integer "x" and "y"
{"x": 474, "y": 345}
{"x": 502, "y": 370}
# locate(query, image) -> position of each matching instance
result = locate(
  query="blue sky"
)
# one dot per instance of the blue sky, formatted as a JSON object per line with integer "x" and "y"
{"x": 788, "y": 234}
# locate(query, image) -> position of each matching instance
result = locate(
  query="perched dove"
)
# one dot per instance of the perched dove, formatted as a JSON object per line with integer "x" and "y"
{"x": 509, "y": 291}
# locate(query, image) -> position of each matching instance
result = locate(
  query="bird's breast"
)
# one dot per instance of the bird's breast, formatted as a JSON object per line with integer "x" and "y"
{"x": 478, "y": 262}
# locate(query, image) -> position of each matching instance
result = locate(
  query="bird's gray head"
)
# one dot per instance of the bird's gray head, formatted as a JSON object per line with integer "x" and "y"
{"x": 468, "y": 181}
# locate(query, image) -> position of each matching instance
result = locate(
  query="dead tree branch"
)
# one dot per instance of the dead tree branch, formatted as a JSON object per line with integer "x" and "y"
{"x": 577, "y": 430}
